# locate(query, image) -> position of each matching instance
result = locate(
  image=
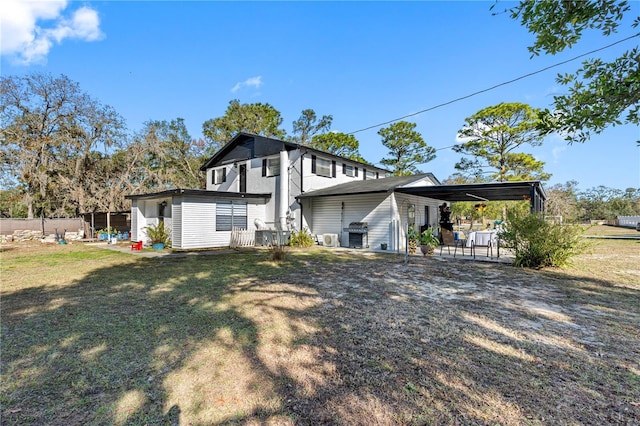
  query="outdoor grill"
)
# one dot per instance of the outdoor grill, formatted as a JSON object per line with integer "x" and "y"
{"x": 358, "y": 234}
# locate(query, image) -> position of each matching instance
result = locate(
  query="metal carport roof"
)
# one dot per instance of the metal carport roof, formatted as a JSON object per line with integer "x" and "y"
{"x": 494, "y": 191}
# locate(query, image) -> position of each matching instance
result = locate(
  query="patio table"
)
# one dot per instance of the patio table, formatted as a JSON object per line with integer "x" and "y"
{"x": 481, "y": 238}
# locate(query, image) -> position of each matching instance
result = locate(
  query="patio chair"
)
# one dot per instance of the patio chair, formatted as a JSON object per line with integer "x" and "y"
{"x": 449, "y": 240}
{"x": 136, "y": 245}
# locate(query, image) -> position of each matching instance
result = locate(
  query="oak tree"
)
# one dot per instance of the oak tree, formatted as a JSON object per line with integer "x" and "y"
{"x": 337, "y": 143}
{"x": 170, "y": 157}
{"x": 258, "y": 118}
{"x": 601, "y": 92}
{"x": 50, "y": 133}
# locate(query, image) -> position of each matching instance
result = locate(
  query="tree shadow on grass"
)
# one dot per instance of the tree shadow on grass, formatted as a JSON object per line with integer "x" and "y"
{"x": 106, "y": 348}
{"x": 318, "y": 340}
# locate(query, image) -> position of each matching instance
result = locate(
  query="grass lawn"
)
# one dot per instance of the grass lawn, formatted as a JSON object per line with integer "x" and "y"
{"x": 93, "y": 336}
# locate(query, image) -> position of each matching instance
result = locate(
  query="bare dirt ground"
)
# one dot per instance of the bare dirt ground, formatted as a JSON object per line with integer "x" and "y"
{"x": 444, "y": 342}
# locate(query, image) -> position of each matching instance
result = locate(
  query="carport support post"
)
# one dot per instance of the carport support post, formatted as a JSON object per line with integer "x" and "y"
{"x": 532, "y": 199}
{"x": 406, "y": 245}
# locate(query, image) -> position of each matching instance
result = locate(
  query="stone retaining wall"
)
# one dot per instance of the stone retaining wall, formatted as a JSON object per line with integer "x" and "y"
{"x": 20, "y": 235}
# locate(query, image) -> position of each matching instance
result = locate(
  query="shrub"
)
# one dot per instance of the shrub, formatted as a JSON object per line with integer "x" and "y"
{"x": 278, "y": 253}
{"x": 158, "y": 234}
{"x": 301, "y": 238}
{"x": 107, "y": 231}
{"x": 538, "y": 243}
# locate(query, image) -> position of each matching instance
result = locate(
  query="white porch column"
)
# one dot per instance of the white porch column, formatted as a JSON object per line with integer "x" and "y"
{"x": 284, "y": 189}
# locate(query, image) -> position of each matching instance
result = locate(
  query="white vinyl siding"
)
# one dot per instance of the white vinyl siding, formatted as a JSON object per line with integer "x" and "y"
{"x": 328, "y": 216}
{"x": 198, "y": 224}
{"x": 194, "y": 221}
{"x": 176, "y": 222}
{"x": 134, "y": 220}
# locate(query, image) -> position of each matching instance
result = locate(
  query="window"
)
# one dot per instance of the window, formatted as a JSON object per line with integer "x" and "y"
{"x": 370, "y": 175}
{"x": 271, "y": 166}
{"x": 219, "y": 176}
{"x": 321, "y": 167}
{"x": 348, "y": 170}
{"x": 231, "y": 214}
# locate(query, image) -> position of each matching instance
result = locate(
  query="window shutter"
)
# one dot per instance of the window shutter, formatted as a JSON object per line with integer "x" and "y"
{"x": 224, "y": 174}
{"x": 356, "y": 172}
{"x": 344, "y": 169}
{"x": 313, "y": 164}
{"x": 333, "y": 169}
{"x": 213, "y": 176}
{"x": 364, "y": 174}
{"x": 264, "y": 167}
{"x": 377, "y": 175}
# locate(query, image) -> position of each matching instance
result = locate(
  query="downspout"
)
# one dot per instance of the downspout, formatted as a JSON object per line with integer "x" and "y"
{"x": 284, "y": 188}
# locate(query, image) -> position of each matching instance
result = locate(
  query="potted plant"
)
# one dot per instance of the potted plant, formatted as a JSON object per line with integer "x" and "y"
{"x": 106, "y": 234}
{"x": 428, "y": 242}
{"x": 158, "y": 236}
{"x": 412, "y": 240}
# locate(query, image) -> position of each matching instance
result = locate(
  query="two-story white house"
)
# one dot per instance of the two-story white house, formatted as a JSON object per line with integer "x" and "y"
{"x": 257, "y": 181}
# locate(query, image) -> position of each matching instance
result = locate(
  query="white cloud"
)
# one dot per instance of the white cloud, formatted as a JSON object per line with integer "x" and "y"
{"x": 30, "y": 29}
{"x": 250, "y": 82}
{"x": 559, "y": 147}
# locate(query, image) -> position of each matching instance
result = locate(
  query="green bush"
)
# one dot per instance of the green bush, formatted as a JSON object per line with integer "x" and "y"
{"x": 301, "y": 238}
{"x": 428, "y": 239}
{"x": 158, "y": 233}
{"x": 109, "y": 231}
{"x": 538, "y": 243}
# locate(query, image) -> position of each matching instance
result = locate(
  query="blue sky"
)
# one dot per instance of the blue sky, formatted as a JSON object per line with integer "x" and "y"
{"x": 362, "y": 62}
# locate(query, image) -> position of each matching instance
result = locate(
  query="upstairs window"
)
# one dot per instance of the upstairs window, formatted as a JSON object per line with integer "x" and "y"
{"x": 323, "y": 167}
{"x": 271, "y": 166}
{"x": 348, "y": 170}
{"x": 370, "y": 175}
{"x": 219, "y": 176}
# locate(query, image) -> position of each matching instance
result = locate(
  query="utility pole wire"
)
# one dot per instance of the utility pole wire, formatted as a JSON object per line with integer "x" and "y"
{"x": 494, "y": 87}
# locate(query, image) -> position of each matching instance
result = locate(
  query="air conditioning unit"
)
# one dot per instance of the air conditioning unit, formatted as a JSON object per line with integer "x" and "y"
{"x": 330, "y": 240}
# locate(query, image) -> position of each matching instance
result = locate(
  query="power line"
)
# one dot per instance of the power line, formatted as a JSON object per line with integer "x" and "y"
{"x": 494, "y": 87}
